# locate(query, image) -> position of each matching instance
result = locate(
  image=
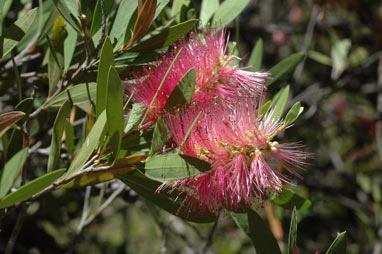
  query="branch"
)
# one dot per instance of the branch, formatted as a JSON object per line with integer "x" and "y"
{"x": 379, "y": 108}
{"x": 103, "y": 31}
{"x": 16, "y": 230}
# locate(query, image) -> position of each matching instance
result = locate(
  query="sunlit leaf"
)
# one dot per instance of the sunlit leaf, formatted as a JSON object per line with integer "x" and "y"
{"x": 106, "y": 60}
{"x": 289, "y": 199}
{"x": 58, "y": 129}
{"x": 114, "y": 110}
{"x": 207, "y": 10}
{"x": 79, "y": 94}
{"x": 28, "y": 190}
{"x": 167, "y": 167}
{"x": 10, "y": 118}
{"x": 283, "y": 70}
{"x": 90, "y": 144}
{"x": 339, "y": 245}
{"x": 228, "y": 11}
{"x": 279, "y": 102}
{"x": 15, "y": 32}
{"x": 292, "y": 237}
{"x": 293, "y": 113}
{"x": 256, "y": 58}
{"x": 12, "y": 170}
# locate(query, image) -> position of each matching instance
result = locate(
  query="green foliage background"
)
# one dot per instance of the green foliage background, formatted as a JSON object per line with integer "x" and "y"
{"x": 337, "y": 79}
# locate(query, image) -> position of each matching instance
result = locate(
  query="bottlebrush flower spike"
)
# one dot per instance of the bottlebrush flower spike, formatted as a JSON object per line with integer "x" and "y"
{"x": 216, "y": 76}
{"x": 245, "y": 161}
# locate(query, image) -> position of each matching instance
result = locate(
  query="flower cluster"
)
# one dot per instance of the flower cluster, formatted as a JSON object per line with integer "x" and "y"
{"x": 216, "y": 76}
{"x": 239, "y": 144}
{"x": 231, "y": 134}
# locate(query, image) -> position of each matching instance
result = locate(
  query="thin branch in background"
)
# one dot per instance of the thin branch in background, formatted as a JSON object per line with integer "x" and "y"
{"x": 210, "y": 238}
{"x": 16, "y": 229}
{"x": 379, "y": 108}
{"x": 85, "y": 210}
{"x": 103, "y": 28}
{"x": 307, "y": 40}
{"x": 110, "y": 199}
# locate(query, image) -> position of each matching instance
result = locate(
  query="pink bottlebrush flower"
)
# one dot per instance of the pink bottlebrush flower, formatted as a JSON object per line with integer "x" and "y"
{"x": 245, "y": 161}
{"x": 216, "y": 76}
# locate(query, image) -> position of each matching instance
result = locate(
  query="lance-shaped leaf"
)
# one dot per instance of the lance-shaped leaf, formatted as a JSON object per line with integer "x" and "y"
{"x": 146, "y": 14}
{"x": 165, "y": 37}
{"x": 283, "y": 70}
{"x": 106, "y": 60}
{"x": 13, "y": 34}
{"x": 172, "y": 166}
{"x": 228, "y": 11}
{"x": 10, "y": 118}
{"x": 256, "y": 58}
{"x": 279, "y": 101}
{"x": 339, "y": 245}
{"x": 114, "y": 110}
{"x": 261, "y": 235}
{"x": 28, "y": 190}
{"x": 289, "y": 199}
{"x": 241, "y": 220}
{"x": 97, "y": 16}
{"x": 12, "y": 170}
{"x": 171, "y": 202}
{"x": 292, "y": 237}
{"x": 58, "y": 129}
{"x": 125, "y": 12}
{"x": 79, "y": 94}
{"x": 207, "y": 10}
{"x": 134, "y": 117}
{"x": 69, "y": 45}
{"x": 69, "y": 14}
{"x": 293, "y": 113}
{"x": 180, "y": 96}
{"x": 56, "y": 53}
{"x": 122, "y": 166}
{"x": 90, "y": 144}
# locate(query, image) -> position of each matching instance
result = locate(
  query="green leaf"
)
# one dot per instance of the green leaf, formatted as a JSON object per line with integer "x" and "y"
{"x": 69, "y": 45}
{"x": 228, "y": 11}
{"x": 28, "y": 190}
{"x": 134, "y": 117}
{"x": 179, "y": 8}
{"x": 90, "y": 144}
{"x": 339, "y": 245}
{"x": 161, "y": 135}
{"x": 114, "y": 109}
{"x": 69, "y": 14}
{"x": 279, "y": 102}
{"x": 58, "y": 129}
{"x": 97, "y": 16}
{"x": 14, "y": 33}
{"x": 183, "y": 91}
{"x": 256, "y": 58}
{"x": 293, "y": 113}
{"x": 165, "y": 37}
{"x": 172, "y": 166}
{"x": 106, "y": 60}
{"x": 10, "y": 118}
{"x": 241, "y": 220}
{"x": 69, "y": 140}
{"x": 339, "y": 54}
{"x": 265, "y": 107}
{"x": 171, "y": 202}
{"x": 261, "y": 235}
{"x": 292, "y": 237}
{"x": 319, "y": 57}
{"x": 124, "y": 14}
{"x": 56, "y": 53}
{"x": 78, "y": 94}
{"x": 289, "y": 199}
{"x": 283, "y": 70}
{"x": 12, "y": 170}
{"x": 207, "y": 10}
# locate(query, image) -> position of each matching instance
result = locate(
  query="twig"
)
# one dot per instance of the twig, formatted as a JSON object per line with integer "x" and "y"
{"x": 86, "y": 39}
{"x": 307, "y": 40}
{"x": 105, "y": 204}
{"x": 210, "y": 238}
{"x": 16, "y": 230}
{"x": 85, "y": 210}
{"x": 103, "y": 28}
